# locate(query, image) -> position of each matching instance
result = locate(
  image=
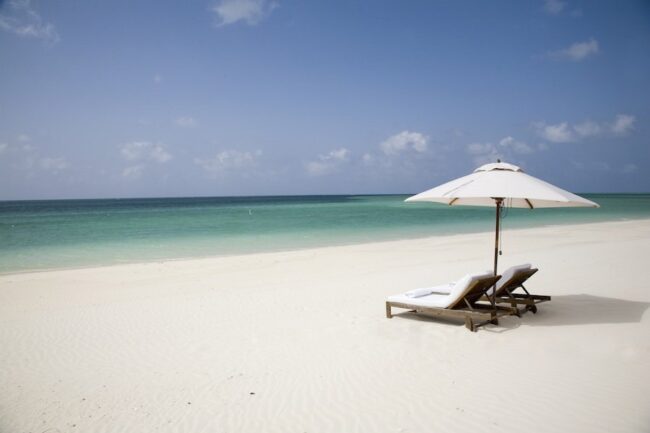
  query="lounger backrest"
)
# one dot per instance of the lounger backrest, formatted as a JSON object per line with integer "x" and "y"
{"x": 519, "y": 279}
{"x": 481, "y": 286}
{"x": 507, "y": 276}
{"x": 476, "y": 288}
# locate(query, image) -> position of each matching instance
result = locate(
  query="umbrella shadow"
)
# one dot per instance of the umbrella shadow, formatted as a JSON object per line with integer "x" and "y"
{"x": 586, "y": 310}
{"x": 562, "y": 311}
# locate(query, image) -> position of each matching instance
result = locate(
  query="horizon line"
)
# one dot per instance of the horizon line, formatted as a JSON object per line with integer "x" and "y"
{"x": 268, "y": 196}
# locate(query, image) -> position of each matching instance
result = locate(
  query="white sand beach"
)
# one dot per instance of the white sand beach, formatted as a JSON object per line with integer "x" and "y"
{"x": 298, "y": 341}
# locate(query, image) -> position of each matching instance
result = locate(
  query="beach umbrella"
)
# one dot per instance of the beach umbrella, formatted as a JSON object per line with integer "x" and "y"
{"x": 501, "y": 184}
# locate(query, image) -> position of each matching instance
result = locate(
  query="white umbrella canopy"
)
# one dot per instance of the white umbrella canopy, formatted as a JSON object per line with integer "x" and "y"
{"x": 505, "y": 181}
{"x": 501, "y": 184}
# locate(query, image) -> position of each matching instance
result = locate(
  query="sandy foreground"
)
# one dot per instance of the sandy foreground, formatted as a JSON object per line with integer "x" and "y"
{"x": 298, "y": 341}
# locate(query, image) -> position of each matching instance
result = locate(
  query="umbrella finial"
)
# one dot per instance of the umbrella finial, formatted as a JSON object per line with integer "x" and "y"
{"x": 498, "y": 160}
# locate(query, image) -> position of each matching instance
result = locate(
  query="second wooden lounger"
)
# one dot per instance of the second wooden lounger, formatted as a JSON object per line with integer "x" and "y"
{"x": 512, "y": 279}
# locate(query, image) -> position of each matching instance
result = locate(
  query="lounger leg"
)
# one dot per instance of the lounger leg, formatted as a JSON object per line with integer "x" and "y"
{"x": 469, "y": 324}
{"x": 389, "y": 313}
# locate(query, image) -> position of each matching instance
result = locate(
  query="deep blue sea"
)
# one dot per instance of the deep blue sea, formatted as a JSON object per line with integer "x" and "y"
{"x": 38, "y": 235}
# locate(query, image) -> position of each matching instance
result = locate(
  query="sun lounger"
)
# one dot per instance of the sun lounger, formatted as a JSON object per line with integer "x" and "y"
{"x": 512, "y": 279}
{"x": 461, "y": 302}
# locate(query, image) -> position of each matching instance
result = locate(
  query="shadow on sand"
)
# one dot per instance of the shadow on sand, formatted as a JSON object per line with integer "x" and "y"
{"x": 586, "y": 310}
{"x": 565, "y": 310}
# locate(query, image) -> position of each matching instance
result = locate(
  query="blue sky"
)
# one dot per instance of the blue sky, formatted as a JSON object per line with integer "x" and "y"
{"x": 257, "y": 97}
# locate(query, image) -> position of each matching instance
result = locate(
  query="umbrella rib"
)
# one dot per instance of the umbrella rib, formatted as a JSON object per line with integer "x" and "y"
{"x": 453, "y": 201}
{"x": 529, "y": 203}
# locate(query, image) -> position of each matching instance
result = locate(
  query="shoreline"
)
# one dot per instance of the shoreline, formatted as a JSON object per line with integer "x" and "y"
{"x": 308, "y": 248}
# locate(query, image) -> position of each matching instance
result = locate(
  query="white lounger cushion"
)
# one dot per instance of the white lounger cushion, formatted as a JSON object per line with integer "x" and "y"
{"x": 437, "y": 300}
{"x": 417, "y": 293}
{"x": 443, "y": 289}
{"x": 507, "y": 275}
{"x": 432, "y": 300}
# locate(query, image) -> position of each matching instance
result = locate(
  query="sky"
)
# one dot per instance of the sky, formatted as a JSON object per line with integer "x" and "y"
{"x": 279, "y": 97}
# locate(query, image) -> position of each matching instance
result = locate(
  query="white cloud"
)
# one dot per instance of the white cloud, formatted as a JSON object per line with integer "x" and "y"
{"x": 563, "y": 132}
{"x": 577, "y": 51}
{"x": 133, "y": 171}
{"x": 248, "y": 11}
{"x": 27, "y": 158}
{"x": 22, "y": 20}
{"x": 337, "y": 155}
{"x": 560, "y": 133}
{"x": 228, "y": 160}
{"x": 367, "y": 159}
{"x": 506, "y": 149}
{"x": 403, "y": 141}
{"x": 139, "y": 153}
{"x": 133, "y": 151}
{"x": 145, "y": 151}
{"x": 406, "y": 154}
{"x": 159, "y": 154}
{"x": 54, "y": 165}
{"x": 516, "y": 145}
{"x": 327, "y": 163}
{"x": 554, "y": 7}
{"x": 319, "y": 168}
{"x": 587, "y": 128}
{"x": 186, "y": 122}
{"x": 483, "y": 153}
{"x": 623, "y": 124}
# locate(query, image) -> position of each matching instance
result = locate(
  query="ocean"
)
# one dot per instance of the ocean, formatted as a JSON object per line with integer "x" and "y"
{"x": 38, "y": 235}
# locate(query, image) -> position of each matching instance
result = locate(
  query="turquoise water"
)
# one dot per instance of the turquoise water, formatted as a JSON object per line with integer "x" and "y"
{"x": 77, "y": 233}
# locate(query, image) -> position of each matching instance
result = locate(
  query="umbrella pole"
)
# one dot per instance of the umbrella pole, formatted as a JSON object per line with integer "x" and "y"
{"x": 496, "y": 249}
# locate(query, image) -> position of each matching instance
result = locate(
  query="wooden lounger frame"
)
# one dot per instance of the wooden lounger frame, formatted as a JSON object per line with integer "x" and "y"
{"x": 506, "y": 295}
{"x": 466, "y": 307}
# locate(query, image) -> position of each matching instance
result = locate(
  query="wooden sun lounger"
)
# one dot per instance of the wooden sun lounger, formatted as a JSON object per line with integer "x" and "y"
{"x": 505, "y": 294}
{"x": 466, "y": 306}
